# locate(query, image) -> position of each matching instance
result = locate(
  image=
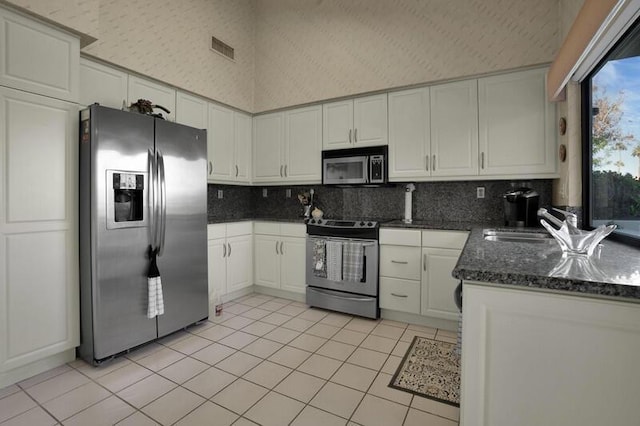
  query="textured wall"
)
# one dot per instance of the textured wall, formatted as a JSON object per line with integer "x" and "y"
{"x": 79, "y": 15}
{"x": 568, "y": 11}
{"x": 169, "y": 40}
{"x": 310, "y": 50}
{"x": 166, "y": 39}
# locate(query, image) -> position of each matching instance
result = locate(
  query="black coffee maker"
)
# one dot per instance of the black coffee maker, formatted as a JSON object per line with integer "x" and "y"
{"x": 521, "y": 207}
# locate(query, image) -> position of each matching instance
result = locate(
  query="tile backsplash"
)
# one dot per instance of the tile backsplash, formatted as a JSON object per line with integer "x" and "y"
{"x": 435, "y": 201}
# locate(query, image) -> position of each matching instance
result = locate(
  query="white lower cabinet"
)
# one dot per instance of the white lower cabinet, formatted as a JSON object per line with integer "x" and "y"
{"x": 280, "y": 256}
{"x": 437, "y": 283}
{"x": 440, "y": 253}
{"x": 532, "y": 358}
{"x": 400, "y": 295}
{"x": 38, "y": 232}
{"x": 415, "y": 271}
{"x": 400, "y": 270}
{"x": 230, "y": 258}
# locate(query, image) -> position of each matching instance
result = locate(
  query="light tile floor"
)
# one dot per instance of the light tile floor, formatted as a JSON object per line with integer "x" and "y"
{"x": 266, "y": 361}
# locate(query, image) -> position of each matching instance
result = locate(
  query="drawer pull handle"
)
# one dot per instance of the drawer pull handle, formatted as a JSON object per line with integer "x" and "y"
{"x": 400, "y": 262}
{"x": 399, "y": 295}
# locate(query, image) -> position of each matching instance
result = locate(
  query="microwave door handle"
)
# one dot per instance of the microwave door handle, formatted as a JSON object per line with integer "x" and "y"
{"x": 367, "y": 170}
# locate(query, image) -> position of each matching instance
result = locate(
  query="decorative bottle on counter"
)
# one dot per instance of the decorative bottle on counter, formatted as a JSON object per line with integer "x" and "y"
{"x": 218, "y": 305}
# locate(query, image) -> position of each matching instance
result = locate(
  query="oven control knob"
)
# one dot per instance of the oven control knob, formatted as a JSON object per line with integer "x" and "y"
{"x": 370, "y": 224}
{"x": 312, "y": 221}
{"x": 361, "y": 223}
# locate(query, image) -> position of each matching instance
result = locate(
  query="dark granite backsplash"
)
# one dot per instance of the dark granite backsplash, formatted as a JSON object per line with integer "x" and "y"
{"x": 432, "y": 201}
{"x": 234, "y": 204}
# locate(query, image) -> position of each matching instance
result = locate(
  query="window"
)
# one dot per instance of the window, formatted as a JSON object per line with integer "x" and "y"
{"x": 611, "y": 117}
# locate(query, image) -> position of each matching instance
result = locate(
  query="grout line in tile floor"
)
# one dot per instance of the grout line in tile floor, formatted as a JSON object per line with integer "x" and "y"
{"x": 272, "y": 302}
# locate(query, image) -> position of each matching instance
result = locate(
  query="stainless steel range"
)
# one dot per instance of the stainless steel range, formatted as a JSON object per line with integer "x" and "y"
{"x": 342, "y": 266}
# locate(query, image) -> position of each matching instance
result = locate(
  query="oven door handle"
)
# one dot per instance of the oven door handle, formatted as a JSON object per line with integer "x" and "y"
{"x": 357, "y": 299}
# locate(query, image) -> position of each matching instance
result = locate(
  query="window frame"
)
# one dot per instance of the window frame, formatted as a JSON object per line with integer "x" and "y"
{"x": 587, "y": 160}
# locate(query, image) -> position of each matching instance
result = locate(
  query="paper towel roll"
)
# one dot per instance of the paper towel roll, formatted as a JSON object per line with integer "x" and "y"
{"x": 407, "y": 206}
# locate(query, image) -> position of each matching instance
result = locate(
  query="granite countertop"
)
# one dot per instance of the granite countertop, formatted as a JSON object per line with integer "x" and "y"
{"x": 214, "y": 220}
{"x": 612, "y": 272}
{"x": 444, "y": 225}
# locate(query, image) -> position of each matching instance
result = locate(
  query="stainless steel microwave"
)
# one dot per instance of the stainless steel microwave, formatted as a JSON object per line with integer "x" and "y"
{"x": 355, "y": 166}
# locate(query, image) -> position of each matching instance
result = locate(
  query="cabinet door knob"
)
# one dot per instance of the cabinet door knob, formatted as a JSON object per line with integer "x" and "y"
{"x": 224, "y": 250}
{"x": 277, "y": 247}
{"x": 400, "y": 262}
{"x": 229, "y": 244}
{"x": 285, "y": 170}
{"x": 355, "y": 136}
{"x": 236, "y": 170}
{"x": 424, "y": 262}
{"x": 427, "y": 163}
{"x": 433, "y": 167}
{"x": 210, "y": 167}
{"x": 349, "y": 135}
{"x": 281, "y": 247}
{"x": 482, "y": 160}
{"x": 399, "y": 295}
{"x": 281, "y": 170}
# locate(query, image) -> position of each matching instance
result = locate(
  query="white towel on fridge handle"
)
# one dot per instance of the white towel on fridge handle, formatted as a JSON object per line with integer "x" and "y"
{"x": 156, "y": 300}
{"x": 154, "y": 286}
{"x": 334, "y": 260}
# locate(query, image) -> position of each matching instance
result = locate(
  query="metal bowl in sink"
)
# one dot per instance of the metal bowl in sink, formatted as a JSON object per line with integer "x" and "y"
{"x": 516, "y": 237}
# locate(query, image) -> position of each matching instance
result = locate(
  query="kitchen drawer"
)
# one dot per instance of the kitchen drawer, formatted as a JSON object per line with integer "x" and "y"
{"x": 444, "y": 239}
{"x": 267, "y": 228}
{"x": 239, "y": 228}
{"x": 400, "y": 262}
{"x": 293, "y": 230}
{"x": 400, "y": 237}
{"x": 215, "y": 231}
{"x": 400, "y": 295}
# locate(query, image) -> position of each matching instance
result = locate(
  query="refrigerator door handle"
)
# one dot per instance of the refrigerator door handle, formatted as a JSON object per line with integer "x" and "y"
{"x": 163, "y": 202}
{"x": 151, "y": 194}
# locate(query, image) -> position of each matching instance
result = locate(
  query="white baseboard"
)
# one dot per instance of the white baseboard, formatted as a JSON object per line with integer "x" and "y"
{"x": 276, "y": 292}
{"x": 10, "y": 377}
{"x": 419, "y": 320}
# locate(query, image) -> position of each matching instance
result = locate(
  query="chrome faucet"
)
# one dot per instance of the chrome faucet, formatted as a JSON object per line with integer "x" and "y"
{"x": 570, "y": 218}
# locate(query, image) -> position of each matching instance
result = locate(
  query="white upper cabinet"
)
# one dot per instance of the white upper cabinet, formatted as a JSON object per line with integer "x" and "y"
{"x": 267, "y": 147}
{"x": 288, "y": 146}
{"x": 191, "y": 110}
{"x": 516, "y": 124}
{"x": 220, "y": 143}
{"x": 370, "y": 121}
{"x": 158, "y": 94}
{"x": 337, "y": 125}
{"x": 243, "y": 136}
{"x": 356, "y": 122}
{"x": 454, "y": 129}
{"x": 409, "y": 137}
{"x": 228, "y": 144}
{"x": 38, "y": 58}
{"x": 303, "y": 144}
{"x": 102, "y": 84}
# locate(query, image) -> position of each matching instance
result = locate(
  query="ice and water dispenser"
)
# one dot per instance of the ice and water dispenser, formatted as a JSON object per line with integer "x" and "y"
{"x": 126, "y": 199}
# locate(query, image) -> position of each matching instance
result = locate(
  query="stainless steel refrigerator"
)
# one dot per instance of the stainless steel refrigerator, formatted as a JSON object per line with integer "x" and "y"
{"x": 143, "y": 182}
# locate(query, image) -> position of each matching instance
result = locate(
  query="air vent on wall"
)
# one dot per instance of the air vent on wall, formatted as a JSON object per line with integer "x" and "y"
{"x": 222, "y": 48}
